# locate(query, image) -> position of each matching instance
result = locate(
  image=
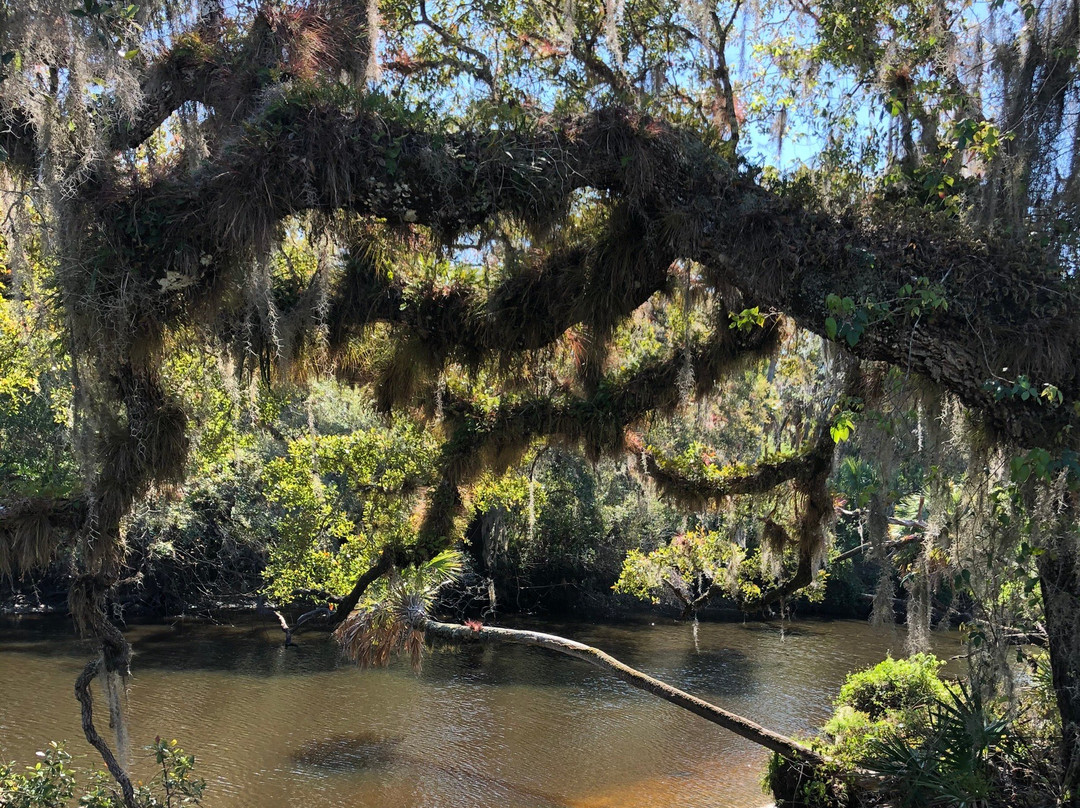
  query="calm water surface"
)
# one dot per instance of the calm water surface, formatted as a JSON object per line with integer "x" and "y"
{"x": 478, "y": 728}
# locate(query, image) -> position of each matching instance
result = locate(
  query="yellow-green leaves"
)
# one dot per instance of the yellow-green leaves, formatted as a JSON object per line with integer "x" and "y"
{"x": 842, "y": 426}
{"x": 338, "y": 500}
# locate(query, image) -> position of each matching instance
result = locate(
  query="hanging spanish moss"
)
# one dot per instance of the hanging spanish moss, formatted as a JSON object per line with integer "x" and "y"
{"x": 374, "y": 25}
{"x": 918, "y": 607}
{"x": 114, "y": 686}
{"x": 582, "y": 216}
{"x": 613, "y": 11}
{"x": 883, "y": 608}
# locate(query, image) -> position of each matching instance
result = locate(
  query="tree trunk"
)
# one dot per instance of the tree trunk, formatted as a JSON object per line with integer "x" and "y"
{"x": 327, "y": 619}
{"x": 86, "y": 701}
{"x": 1059, "y": 576}
{"x": 744, "y": 727}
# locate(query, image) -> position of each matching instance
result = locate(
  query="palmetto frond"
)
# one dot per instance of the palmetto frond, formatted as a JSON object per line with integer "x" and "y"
{"x": 437, "y": 572}
{"x": 372, "y": 636}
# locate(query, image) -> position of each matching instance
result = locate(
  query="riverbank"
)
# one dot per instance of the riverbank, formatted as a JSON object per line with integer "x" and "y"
{"x": 149, "y": 590}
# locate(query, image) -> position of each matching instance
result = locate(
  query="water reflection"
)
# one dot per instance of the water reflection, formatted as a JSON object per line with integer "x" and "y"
{"x": 480, "y": 726}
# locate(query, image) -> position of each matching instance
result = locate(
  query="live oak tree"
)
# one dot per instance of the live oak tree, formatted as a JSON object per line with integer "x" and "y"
{"x": 493, "y": 190}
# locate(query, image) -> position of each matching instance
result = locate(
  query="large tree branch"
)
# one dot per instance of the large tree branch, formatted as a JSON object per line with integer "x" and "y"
{"x": 1008, "y": 315}
{"x": 86, "y": 701}
{"x": 699, "y": 490}
{"x": 435, "y": 631}
{"x": 808, "y": 471}
{"x": 720, "y": 73}
{"x": 191, "y": 71}
{"x": 546, "y": 293}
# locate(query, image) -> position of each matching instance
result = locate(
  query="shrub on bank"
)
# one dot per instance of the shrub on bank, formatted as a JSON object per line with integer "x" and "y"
{"x": 893, "y": 685}
{"x": 53, "y": 782}
{"x": 900, "y": 736}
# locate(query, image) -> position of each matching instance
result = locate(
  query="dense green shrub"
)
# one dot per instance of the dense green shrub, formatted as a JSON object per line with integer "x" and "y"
{"x": 946, "y": 760}
{"x": 894, "y": 684}
{"x": 930, "y": 744}
{"x": 49, "y": 783}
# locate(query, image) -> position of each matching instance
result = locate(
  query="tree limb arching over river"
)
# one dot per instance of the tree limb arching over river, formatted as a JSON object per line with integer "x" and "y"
{"x": 493, "y": 198}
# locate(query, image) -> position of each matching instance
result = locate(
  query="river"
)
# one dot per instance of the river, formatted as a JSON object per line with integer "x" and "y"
{"x": 476, "y": 728}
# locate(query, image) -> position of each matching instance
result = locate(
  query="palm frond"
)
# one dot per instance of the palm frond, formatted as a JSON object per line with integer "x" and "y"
{"x": 385, "y": 630}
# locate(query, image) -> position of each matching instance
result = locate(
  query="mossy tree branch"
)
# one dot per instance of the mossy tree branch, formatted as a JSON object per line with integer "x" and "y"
{"x": 307, "y": 153}
{"x": 86, "y": 702}
{"x": 698, "y": 491}
{"x": 597, "y": 422}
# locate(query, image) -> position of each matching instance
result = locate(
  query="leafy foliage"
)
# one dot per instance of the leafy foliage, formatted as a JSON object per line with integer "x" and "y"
{"x": 53, "y": 782}
{"x": 934, "y": 744}
{"x": 949, "y": 763}
{"x": 894, "y": 685}
{"x": 338, "y": 500}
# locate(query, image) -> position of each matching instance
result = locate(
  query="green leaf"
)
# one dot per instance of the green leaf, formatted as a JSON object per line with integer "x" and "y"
{"x": 830, "y": 327}
{"x": 842, "y": 428}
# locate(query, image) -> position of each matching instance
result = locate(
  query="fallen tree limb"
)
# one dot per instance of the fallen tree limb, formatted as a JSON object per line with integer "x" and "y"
{"x": 435, "y": 631}
{"x": 888, "y": 547}
{"x": 910, "y": 524}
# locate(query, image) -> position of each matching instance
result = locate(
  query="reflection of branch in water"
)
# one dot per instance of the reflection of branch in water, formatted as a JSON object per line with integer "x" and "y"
{"x": 353, "y": 751}
{"x": 369, "y": 750}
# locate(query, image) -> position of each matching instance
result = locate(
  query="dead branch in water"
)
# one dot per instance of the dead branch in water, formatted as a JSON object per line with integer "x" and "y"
{"x": 743, "y": 727}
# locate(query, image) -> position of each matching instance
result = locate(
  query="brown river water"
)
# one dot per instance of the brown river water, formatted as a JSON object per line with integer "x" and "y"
{"x": 477, "y": 728}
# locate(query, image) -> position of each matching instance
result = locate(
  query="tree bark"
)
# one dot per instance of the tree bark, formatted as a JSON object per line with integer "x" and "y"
{"x": 1059, "y": 577}
{"x": 86, "y": 700}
